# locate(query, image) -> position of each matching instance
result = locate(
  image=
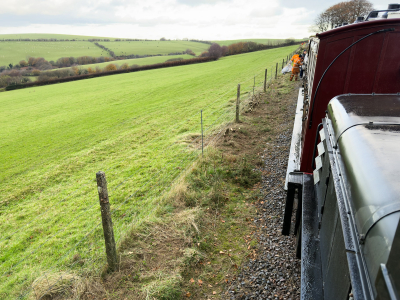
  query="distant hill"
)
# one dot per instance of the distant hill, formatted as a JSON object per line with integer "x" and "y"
{"x": 12, "y": 52}
{"x": 259, "y": 41}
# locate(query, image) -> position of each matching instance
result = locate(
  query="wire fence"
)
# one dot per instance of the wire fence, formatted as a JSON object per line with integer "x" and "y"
{"x": 140, "y": 201}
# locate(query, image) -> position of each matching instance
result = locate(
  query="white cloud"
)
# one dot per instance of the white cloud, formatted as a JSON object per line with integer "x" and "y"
{"x": 201, "y": 19}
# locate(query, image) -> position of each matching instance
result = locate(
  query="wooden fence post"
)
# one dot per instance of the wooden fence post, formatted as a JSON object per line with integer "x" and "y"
{"x": 107, "y": 222}
{"x": 237, "y": 103}
{"x": 283, "y": 62}
{"x": 202, "y": 142}
{"x": 254, "y": 84}
{"x": 276, "y": 71}
{"x": 265, "y": 80}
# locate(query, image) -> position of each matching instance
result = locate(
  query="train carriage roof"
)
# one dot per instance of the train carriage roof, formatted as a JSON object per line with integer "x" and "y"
{"x": 369, "y": 66}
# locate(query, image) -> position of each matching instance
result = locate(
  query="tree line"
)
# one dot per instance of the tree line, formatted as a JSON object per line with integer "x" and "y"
{"x": 217, "y": 51}
{"x": 200, "y": 41}
{"x": 42, "y": 64}
{"x": 105, "y": 49}
{"x": 18, "y": 77}
{"x": 41, "y": 68}
{"x": 106, "y": 72}
{"x": 9, "y": 77}
{"x": 112, "y": 54}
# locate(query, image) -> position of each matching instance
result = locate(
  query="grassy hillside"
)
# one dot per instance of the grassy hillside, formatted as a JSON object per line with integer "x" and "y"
{"x": 13, "y": 52}
{"x": 154, "y": 47}
{"x": 140, "y": 128}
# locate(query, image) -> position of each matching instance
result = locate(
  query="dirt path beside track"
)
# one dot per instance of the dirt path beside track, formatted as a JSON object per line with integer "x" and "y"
{"x": 273, "y": 272}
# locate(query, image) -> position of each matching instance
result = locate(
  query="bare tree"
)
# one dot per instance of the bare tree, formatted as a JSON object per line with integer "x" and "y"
{"x": 338, "y": 13}
{"x": 323, "y": 21}
{"x": 359, "y": 8}
{"x": 215, "y": 50}
{"x": 342, "y": 12}
{"x": 224, "y": 50}
{"x": 190, "y": 52}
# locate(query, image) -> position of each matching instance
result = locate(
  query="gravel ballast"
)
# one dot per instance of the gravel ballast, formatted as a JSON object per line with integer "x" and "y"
{"x": 274, "y": 273}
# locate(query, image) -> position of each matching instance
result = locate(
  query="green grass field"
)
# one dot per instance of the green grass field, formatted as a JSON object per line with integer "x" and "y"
{"x": 138, "y": 128}
{"x": 13, "y": 52}
{"x": 259, "y": 41}
{"x": 154, "y": 47}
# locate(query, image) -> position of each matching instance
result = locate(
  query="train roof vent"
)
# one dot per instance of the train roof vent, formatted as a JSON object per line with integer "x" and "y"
{"x": 394, "y": 6}
{"x": 390, "y": 13}
{"x": 373, "y": 14}
{"x": 359, "y": 20}
{"x": 393, "y": 14}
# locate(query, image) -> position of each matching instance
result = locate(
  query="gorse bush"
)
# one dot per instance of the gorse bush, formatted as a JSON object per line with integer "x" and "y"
{"x": 110, "y": 67}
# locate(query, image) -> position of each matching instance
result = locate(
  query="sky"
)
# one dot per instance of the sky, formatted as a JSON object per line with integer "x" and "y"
{"x": 172, "y": 19}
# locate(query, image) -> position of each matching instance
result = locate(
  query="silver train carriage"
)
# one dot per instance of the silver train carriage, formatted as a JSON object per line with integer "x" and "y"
{"x": 349, "y": 209}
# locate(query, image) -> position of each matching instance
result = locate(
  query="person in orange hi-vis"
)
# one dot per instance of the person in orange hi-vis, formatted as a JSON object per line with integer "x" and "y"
{"x": 296, "y": 69}
{"x": 295, "y": 57}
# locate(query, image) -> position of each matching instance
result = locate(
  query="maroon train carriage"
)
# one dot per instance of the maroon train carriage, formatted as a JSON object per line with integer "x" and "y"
{"x": 343, "y": 164}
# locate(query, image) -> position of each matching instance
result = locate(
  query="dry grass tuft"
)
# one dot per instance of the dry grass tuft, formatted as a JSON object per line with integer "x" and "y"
{"x": 187, "y": 217}
{"x": 166, "y": 287}
{"x": 230, "y": 158}
{"x": 178, "y": 194}
{"x": 58, "y": 286}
